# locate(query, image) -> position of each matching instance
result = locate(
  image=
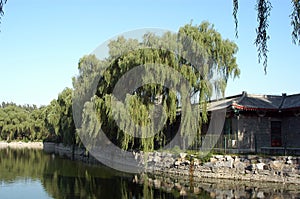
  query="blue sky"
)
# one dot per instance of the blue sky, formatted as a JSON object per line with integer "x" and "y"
{"x": 42, "y": 41}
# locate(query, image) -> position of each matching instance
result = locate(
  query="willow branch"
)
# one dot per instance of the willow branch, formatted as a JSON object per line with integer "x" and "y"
{"x": 263, "y": 8}
{"x": 295, "y": 21}
{"x": 2, "y": 2}
{"x": 234, "y": 13}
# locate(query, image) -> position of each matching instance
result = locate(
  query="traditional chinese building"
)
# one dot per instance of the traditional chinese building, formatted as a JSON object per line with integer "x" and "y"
{"x": 260, "y": 123}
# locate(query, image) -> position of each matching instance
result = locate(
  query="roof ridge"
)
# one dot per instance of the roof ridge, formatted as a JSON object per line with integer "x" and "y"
{"x": 244, "y": 94}
{"x": 282, "y": 101}
{"x": 292, "y": 95}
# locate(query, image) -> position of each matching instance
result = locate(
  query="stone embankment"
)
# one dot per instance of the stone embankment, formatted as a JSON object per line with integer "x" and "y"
{"x": 278, "y": 169}
{"x": 281, "y": 169}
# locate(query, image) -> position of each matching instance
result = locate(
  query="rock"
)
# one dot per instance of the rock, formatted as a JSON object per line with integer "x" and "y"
{"x": 260, "y": 160}
{"x": 276, "y": 165}
{"x": 150, "y": 158}
{"x": 229, "y": 163}
{"x": 182, "y": 155}
{"x": 186, "y": 162}
{"x": 168, "y": 160}
{"x": 196, "y": 190}
{"x": 177, "y": 185}
{"x": 267, "y": 167}
{"x": 218, "y": 157}
{"x": 183, "y": 192}
{"x": 246, "y": 161}
{"x": 157, "y": 183}
{"x": 237, "y": 159}
{"x": 260, "y": 194}
{"x": 212, "y": 159}
{"x": 163, "y": 154}
{"x": 251, "y": 157}
{"x": 260, "y": 166}
{"x": 157, "y": 159}
{"x": 251, "y": 167}
{"x": 239, "y": 165}
{"x": 177, "y": 163}
{"x": 228, "y": 157}
{"x": 209, "y": 164}
{"x": 196, "y": 162}
{"x": 289, "y": 162}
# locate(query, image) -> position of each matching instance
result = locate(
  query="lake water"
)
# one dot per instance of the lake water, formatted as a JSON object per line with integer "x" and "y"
{"x": 34, "y": 174}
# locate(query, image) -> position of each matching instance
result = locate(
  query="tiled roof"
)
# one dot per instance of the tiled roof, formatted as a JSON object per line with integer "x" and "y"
{"x": 291, "y": 102}
{"x": 222, "y": 103}
{"x": 261, "y": 102}
{"x": 252, "y": 102}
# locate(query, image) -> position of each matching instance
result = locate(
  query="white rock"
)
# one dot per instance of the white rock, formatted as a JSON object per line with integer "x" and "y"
{"x": 228, "y": 157}
{"x": 260, "y": 194}
{"x": 182, "y": 155}
{"x": 277, "y": 165}
{"x": 157, "y": 183}
{"x": 289, "y": 161}
{"x": 157, "y": 159}
{"x": 260, "y": 166}
{"x": 219, "y": 157}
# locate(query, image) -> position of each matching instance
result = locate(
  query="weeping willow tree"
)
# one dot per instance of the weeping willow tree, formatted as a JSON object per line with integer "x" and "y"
{"x": 196, "y": 54}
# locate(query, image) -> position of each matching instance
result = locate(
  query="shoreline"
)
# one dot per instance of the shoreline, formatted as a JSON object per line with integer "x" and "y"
{"x": 21, "y": 145}
{"x": 248, "y": 168}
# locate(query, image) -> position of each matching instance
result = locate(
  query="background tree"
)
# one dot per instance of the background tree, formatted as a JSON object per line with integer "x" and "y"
{"x": 22, "y": 123}
{"x": 59, "y": 119}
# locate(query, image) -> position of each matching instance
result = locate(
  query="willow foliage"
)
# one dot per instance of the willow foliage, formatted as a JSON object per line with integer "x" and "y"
{"x": 295, "y": 21}
{"x": 263, "y": 8}
{"x": 2, "y": 2}
{"x": 197, "y": 53}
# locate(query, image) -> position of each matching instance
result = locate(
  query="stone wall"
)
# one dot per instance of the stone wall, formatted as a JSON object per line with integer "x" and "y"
{"x": 283, "y": 169}
{"x": 277, "y": 169}
{"x": 291, "y": 131}
{"x": 253, "y": 132}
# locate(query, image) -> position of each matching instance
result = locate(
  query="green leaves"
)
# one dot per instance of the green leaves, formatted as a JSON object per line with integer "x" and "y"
{"x": 59, "y": 118}
{"x": 21, "y": 123}
{"x": 197, "y": 53}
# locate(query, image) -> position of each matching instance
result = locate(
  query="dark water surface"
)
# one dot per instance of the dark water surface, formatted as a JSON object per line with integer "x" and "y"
{"x": 27, "y": 173}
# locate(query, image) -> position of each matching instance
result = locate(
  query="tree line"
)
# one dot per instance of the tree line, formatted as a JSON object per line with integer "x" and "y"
{"x": 31, "y": 123}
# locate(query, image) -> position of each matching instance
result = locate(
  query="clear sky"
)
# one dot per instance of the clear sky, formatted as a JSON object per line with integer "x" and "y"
{"x": 42, "y": 41}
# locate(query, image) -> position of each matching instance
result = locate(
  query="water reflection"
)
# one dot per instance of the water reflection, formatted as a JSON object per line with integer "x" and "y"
{"x": 31, "y": 173}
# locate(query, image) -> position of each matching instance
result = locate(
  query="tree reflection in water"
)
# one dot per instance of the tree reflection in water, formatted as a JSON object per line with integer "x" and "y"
{"x": 63, "y": 178}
